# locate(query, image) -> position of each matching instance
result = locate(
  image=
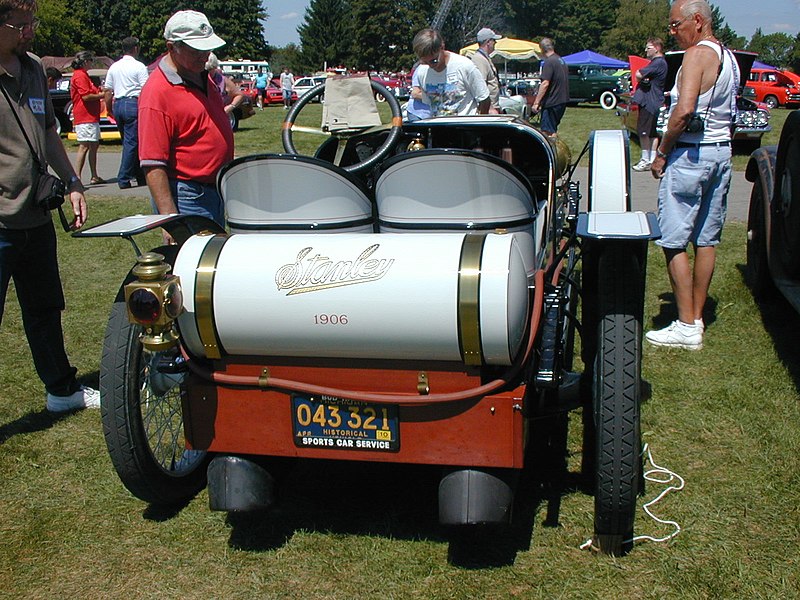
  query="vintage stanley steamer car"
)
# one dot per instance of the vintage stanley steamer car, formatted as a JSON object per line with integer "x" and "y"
{"x": 752, "y": 121}
{"x": 773, "y": 222}
{"x": 417, "y": 302}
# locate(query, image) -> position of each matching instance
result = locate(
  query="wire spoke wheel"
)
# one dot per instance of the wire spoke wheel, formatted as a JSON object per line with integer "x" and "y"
{"x": 616, "y": 397}
{"x": 143, "y": 419}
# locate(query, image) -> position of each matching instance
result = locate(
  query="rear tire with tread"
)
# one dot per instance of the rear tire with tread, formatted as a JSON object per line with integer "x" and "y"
{"x": 616, "y": 393}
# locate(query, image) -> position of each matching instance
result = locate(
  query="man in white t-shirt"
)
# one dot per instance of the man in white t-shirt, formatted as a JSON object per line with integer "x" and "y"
{"x": 123, "y": 84}
{"x": 448, "y": 82}
{"x": 287, "y": 83}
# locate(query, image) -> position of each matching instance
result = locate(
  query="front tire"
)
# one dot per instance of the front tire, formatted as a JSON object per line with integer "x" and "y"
{"x": 143, "y": 427}
{"x": 608, "y": 100}
{"x": 616, "y": 393}
{"x": 771, "y": 102}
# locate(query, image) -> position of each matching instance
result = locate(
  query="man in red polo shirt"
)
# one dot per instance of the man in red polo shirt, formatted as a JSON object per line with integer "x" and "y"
{"x": 185, "y": 136}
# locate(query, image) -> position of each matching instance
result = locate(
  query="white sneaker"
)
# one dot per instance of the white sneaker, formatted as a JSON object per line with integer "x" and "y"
{"x": 642, "y": 165}
{"x": 85, "y": 397}
{"x": 677, "y": 335}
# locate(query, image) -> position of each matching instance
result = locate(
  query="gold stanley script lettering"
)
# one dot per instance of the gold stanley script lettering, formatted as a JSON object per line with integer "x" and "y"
{"x": 311, "y": 273}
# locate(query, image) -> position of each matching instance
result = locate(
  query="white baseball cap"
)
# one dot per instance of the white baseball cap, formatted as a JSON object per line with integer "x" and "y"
{"x": 487, "y": 34}
{"x": 193, "y": 29}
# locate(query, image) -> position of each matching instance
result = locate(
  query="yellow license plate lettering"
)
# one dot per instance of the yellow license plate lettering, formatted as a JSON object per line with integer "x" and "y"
{"x": 319, "y": 416}
{"x": 383, "y": 435}
{"x": 368, "y": 422}
{"x": 354, "y": 422}
{"x": 304, "y": 415}
{"x": 334, "y": 419}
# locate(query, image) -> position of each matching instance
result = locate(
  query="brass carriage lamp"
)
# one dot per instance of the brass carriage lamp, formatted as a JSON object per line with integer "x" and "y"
{"x": 154, "y": 301}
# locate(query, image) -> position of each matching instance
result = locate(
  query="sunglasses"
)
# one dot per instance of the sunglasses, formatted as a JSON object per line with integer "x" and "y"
{"x": 433, "y": 61}
{"x": 675, "y": 24}
{"x": 20, "y": 29}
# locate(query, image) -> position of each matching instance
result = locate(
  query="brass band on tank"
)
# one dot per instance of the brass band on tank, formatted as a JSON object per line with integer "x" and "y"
{"x": 204, "y": 295}
{"x": 469, "y": 274}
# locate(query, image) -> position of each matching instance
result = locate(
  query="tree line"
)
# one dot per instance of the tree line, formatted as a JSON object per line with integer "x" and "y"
{"x": 67, "y": 26}
{"x": 377, "y": 34}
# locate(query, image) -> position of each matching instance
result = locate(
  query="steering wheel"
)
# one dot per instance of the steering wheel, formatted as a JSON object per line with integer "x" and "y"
{"x": 345, "y": 135}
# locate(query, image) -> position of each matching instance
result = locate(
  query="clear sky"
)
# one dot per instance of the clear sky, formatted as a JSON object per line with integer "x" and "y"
{"x": 744, "y": 16}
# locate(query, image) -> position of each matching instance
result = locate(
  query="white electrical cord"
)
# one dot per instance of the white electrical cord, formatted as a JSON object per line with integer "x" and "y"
{"x": 664, "y": 476}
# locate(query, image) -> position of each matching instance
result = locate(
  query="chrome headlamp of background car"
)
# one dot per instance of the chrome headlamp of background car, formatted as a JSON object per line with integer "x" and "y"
{"x": 154, "y": 301}
{"x": 753, "y": 118}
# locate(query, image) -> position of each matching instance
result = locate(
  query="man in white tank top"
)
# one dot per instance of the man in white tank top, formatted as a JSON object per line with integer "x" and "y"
{"x": 694, "y": 165}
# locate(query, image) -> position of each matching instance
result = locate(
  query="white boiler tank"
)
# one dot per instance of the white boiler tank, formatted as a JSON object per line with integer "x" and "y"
{"x": 410, "y": 296}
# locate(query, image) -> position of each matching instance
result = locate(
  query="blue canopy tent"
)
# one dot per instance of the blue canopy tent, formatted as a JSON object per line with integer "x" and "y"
{"x": 759, "y": 65}
{"x": 587, "y": 56}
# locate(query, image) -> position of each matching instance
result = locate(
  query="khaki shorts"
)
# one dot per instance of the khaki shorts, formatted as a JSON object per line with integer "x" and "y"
{"x": 88, "y": 132}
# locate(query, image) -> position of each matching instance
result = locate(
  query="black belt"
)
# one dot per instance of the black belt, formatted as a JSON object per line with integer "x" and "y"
{"x": 695, "y": 145}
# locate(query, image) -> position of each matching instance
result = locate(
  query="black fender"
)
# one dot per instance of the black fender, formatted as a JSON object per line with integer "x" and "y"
{"x": 760, "y": 171}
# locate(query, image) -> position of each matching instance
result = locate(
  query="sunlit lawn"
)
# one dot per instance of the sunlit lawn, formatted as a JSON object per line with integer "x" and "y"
{"x": 727, "y": 419}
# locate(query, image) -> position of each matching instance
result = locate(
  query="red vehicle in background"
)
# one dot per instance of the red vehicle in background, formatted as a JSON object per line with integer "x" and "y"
{"x": 248, "y": 89}
{"x": 275, "y": 94}
{"x": 401, "y": 89}
{"x": 775, "y": 87}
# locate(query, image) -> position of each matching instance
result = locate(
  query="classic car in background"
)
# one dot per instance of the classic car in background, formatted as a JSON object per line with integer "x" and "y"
{"x": 526, "y": 88}
{"x": 752, "y": 121}
{"x": 514, "y": 105}
{"x": 593, "y": 83}
{"x": 303, "y": 84}
{"x": 275, "y": 94}
{"x": 773, "y": 222}
{"x": 400, "y": 88}
{"x": 774, "y": 87}
{"x": 62, "y": 105}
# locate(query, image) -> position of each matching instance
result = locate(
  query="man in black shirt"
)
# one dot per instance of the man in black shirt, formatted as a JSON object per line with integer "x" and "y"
{"x": 553, "y": 93}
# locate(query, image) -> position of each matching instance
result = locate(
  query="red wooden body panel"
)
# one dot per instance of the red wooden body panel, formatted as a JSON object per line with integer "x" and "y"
{"x": 486, "y": 432}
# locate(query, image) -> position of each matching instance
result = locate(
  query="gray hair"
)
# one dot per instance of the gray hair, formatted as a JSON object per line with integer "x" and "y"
{"x": 212, "y": 62}
{"x": 697, "y": 7}
{"x": 546, "y": 44}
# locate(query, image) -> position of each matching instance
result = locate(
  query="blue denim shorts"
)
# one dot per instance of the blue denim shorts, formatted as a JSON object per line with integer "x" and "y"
{"x": 693, "y": 196}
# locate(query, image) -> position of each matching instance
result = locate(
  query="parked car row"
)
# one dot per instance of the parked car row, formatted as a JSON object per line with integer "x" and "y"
{"x": 274, "y": 93}
{"x": 587, "y": 83}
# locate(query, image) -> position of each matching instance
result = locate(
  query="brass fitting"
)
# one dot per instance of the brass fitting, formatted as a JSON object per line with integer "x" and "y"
{"x": 154, "y": 301}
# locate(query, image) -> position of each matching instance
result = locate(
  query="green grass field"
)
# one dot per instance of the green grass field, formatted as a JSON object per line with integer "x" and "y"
{"x": 727, "y": 419}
